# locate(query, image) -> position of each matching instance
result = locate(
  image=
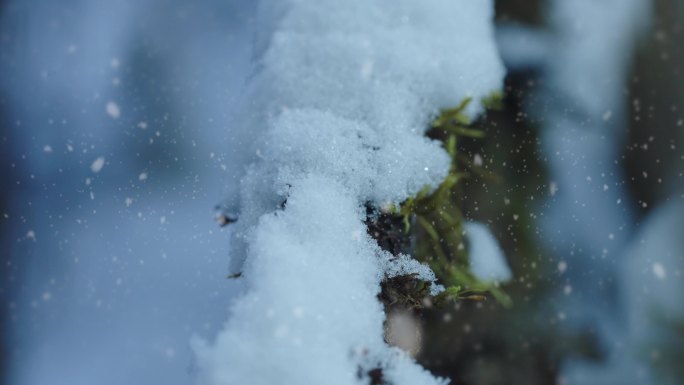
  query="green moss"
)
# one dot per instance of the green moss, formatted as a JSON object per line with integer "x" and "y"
{"x": 434, "y": 221}
{"x": 494, "y": 101}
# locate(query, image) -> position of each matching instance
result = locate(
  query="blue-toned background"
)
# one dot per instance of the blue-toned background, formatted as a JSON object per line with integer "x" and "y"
{"x": 106, "y": 274}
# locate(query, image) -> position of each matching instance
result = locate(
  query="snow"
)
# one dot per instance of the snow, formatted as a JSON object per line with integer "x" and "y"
{"x": 405, "y": 265}
{"x": 522, "y": 48}
{"x": 335, "y": 114}
{"x": 598, "y": 38}
{"x": 653, "y": 302}
{"x": 487, "y": 260}
{"x": 585, "y": 58}
{"x": 113, "y": 110}
{"x": 97, "y": 164}
{"x": 296, "y": 270}
{"x": 659, "y": 270}
{"x": 590, "y": 45}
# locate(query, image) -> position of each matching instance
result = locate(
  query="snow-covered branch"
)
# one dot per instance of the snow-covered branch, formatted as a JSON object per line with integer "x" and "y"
{"x": 335, "y": 119}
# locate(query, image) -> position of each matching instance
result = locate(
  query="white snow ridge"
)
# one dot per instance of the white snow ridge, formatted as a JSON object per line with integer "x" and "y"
{"x": 336, "y": 114}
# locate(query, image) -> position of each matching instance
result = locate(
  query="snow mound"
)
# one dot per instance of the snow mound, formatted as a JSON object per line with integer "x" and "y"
{"x": 334, "y": 119}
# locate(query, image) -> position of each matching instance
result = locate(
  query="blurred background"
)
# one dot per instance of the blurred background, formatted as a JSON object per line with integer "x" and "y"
{"x": 115, "y": 143}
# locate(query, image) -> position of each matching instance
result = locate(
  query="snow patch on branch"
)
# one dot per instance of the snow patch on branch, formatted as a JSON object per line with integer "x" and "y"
{"x": 405, "y": 265}
{"x": 336, "y": 113}
{"x": 487, "y": 260}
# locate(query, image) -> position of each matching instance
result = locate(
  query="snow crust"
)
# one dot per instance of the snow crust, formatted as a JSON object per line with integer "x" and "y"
{"x": 334, "y": 119}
